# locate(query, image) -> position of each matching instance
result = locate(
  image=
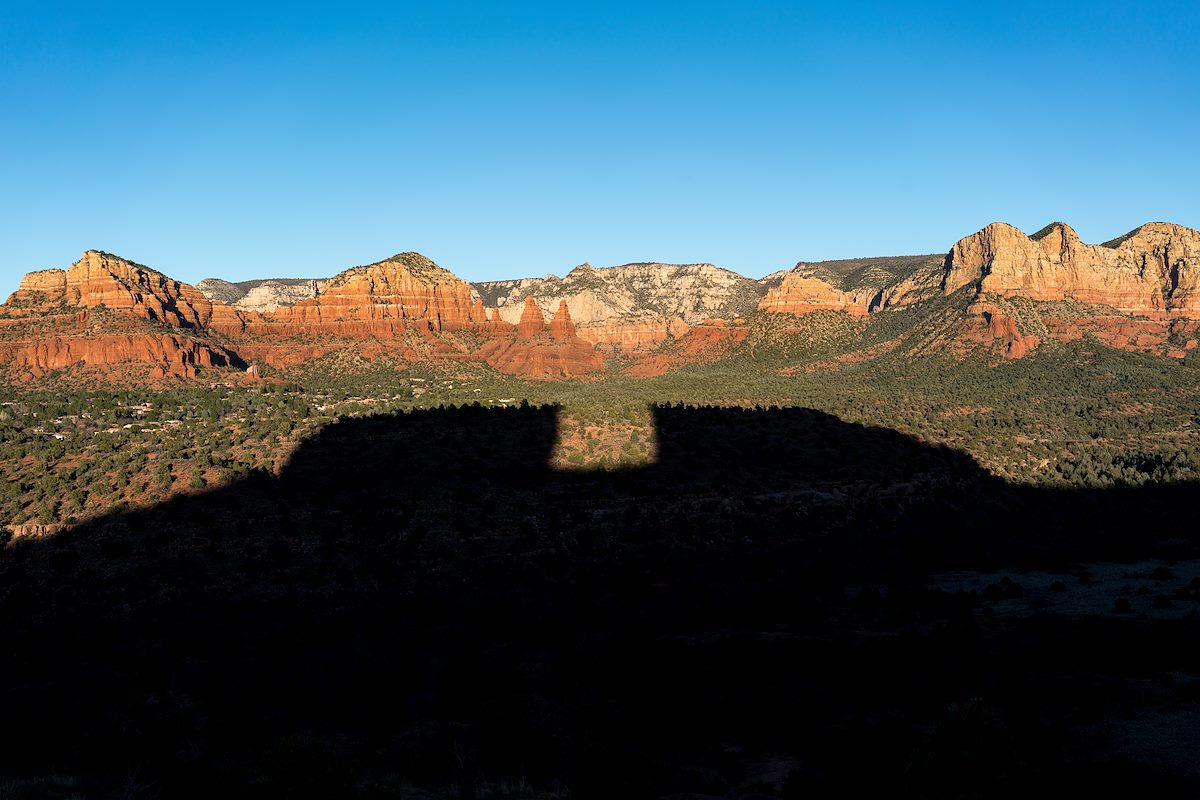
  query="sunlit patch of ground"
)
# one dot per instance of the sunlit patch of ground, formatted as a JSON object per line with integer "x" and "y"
{"x": 605, "y": 439}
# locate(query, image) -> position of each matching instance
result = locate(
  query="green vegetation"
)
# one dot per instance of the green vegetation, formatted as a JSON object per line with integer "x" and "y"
{"x": 1079, "y": 415}
{"x": 363, "y": 576}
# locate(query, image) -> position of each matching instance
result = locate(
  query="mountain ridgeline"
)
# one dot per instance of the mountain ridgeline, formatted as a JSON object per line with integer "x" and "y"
{"x": 998, "y": 291}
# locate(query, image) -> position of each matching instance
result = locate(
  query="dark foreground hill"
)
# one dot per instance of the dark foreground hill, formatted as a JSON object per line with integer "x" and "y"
{"x": 419, "y": 606}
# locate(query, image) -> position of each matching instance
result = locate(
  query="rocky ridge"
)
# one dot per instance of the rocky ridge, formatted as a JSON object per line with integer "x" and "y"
{"x": 262, "y": 295}
{"x": 1153, "y": 269}
{"x": 1138, "y": 291}
{"x": 856, "y": 286}
{"x": 633, "y": 307}
{"x": 1014, "y": 293}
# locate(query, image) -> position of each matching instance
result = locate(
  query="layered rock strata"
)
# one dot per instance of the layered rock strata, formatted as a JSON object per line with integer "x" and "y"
{"x": 1153, "y": 269}
{"x": 533, "y": 349}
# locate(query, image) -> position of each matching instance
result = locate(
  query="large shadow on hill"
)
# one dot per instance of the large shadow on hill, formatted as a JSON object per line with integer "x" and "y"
{"x": 421, "y": 600}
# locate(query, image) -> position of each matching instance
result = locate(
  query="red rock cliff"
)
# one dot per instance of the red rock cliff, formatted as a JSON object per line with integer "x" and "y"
{"x": 801, "y": 294}
{"x": 1152, "y": 269}
{"x": 406, "y": 288}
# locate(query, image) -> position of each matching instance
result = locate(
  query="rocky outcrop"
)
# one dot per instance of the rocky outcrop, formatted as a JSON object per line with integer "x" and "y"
{"x": 561, "y": 327}
{"x": 801, "y": 294}
{"x": 166, "y": 354}
{"x": 994, "y": 327}
{"x": 1153, "y": 269}
{"x": 534, "y": 350}
{"x": 262, "y": 295}
{"x": 532, "y": 322}
{"x": 691, "y": 292}
{"x": 634, "y": 334}
{"x": 102, "y": 280}
{"x": 996, "y": 288}
{"x": 406, "y": 289}
{"x": 496, "y": 324}
{"x": 855, "y": 286}
{"x": 633, "y": 307}
{"x": 925, "y": 283}
{"x": 709, "y": 341}
{"x": 39, "y": 292}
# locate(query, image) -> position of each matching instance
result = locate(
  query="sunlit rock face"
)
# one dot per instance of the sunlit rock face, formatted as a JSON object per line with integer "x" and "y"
{"x": 1004, "y": 290}
{"x": 262, "y": 295}
{"x": 101, "y": 279}
{"x": 405, "y": 288}
{"x": 39, "y": 292}
{"x": 856, "y": 286}
{"x": 167, "y": 354}
{"x": 803, "y": 294}
{"x": 1154, "y": 268}
{"x": 631, "y": 308}
{"x": 533, "y": 349}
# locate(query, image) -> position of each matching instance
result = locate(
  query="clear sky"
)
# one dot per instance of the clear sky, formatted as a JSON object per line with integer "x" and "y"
{"x": 508, "y": 139}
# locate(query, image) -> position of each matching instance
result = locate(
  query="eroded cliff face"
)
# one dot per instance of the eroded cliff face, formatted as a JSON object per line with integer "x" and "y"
{"x": 262, "y": 295}
{"x": 40, "y": 292}
{"x": 635, "y": 333}
{"x": 1153, "y": 269}
{"x": 107, "y": 310}
{"x": 101, "y": 279}
{"x": 1137, "y": 288}
{"x": 104, "y": 280}
{"x": 802, "y": 294}
{"x": 691, "y": 292}
{"x": 855, "y": 286}
{"x": 997, "y": 288}
{"x": 533, "y": 349}
{"x": 405, "y": 288}
{"x": 165, "y": 354}
{"x": 633, "y": 307}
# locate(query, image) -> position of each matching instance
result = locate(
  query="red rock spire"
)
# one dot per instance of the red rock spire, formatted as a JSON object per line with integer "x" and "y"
{"x": 532, "y": 322}
{"x": 561, "y": 327}
{"x": 497, "y": 324}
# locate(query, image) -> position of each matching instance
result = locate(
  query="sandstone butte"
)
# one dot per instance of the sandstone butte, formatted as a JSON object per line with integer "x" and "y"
{"x": 1137, "y": 291}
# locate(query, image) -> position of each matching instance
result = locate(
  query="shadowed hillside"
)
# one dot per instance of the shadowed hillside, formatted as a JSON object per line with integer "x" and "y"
{"x": 419, "y": 600}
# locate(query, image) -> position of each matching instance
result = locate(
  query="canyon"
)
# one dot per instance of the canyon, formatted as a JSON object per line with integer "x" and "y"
{"x": 996, "y": 291}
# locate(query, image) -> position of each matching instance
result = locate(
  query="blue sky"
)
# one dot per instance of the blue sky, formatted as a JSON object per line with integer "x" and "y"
{"x": 507, "y": 139}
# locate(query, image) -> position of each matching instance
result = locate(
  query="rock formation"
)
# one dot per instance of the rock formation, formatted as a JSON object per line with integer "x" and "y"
{"x": 635, "y": 333}
{"x": 706, "y": 342}
{"x": 1152, "y": 273}
{"x": 997, "y": 288}
{"x": 1154, "y": 268}
{"x": 801, "y": 294}
{"x": 406, "y": 288}
{"x": 101, "y": 279}
{"x": 561, "y": 327}
{"x": 533, "y": 350}
{"x": 855, "y": 286}
{"x": 497, "y": 323}
{"x": 995, "y": 327}
{"x": 633, "y": 307}
{"x": 532, "y": 321}
{"x": 39, "y": 292}
{"x": 262, "y": 295}
{"x": 166, "y": 354}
